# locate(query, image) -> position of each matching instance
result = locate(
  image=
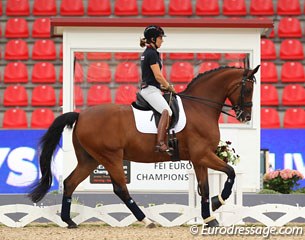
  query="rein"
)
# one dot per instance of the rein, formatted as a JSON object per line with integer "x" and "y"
{"x": 206, "y": 102}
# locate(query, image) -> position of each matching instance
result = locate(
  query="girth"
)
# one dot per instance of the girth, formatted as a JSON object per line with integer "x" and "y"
{"x": 171, "y": 99}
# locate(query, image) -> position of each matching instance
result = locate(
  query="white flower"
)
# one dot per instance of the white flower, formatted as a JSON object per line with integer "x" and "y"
{"x": 226, "y": 153}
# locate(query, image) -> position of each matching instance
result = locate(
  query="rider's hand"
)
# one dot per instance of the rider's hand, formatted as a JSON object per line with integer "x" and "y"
{"x": 171, "y": 89}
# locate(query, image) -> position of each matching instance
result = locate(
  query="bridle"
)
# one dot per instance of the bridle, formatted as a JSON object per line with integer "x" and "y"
{"x": 238, "y": 108}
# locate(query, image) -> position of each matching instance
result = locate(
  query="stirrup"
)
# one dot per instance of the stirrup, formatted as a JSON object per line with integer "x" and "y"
{"x": 163, "y": 148}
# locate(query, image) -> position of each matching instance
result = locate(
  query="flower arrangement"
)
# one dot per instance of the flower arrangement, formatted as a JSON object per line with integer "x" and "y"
{"x": 282, "y": 181}
{"x": 225, "y": 152}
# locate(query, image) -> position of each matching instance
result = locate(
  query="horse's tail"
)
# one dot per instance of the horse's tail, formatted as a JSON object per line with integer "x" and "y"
{"x": 48, "y": 145}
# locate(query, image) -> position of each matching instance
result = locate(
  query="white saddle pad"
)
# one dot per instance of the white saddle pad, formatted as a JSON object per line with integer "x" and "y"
{"x": 145, "y": 123}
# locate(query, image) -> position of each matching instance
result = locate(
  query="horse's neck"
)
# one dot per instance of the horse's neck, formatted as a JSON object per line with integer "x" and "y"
{"x": 213, "y": 87}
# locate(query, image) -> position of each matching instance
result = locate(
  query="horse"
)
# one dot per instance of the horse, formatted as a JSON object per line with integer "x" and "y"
{"x": 106, "y": 134}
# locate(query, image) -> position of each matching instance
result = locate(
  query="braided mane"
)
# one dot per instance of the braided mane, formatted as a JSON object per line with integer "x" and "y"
{"x": 200, "y": 75}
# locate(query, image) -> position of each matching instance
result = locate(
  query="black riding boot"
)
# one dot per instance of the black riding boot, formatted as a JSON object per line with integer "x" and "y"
{"x": 161, "y": 137}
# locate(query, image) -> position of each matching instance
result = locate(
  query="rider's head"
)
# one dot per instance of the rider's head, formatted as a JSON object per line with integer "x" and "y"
{"x": 151, "y": 33}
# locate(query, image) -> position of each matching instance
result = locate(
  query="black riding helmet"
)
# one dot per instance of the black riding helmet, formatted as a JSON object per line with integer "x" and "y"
{"x": 152, "y": 32}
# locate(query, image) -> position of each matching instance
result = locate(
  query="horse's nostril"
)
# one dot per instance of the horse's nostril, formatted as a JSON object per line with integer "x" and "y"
{"x": 248, "y": 117}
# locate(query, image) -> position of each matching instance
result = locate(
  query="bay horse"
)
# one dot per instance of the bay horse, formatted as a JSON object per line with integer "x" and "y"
{"x": 106, "y": 134}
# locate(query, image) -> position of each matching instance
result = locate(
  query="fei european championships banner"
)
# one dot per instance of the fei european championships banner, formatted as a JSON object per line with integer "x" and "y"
{"x": 19, "y": 161}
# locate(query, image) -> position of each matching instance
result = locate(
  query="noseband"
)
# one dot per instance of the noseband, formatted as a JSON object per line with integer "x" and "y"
{"x": 239, "y": 108}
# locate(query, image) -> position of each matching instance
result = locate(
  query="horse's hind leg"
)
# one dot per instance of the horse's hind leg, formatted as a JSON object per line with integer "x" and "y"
{"x": 86, "y": 164}
{"x": 203, "y": 190}
{"x": 117, "y": 175}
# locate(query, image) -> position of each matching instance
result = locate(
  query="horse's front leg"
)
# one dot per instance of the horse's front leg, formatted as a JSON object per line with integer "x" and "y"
{"x": 215, "y": 163}
{"x": 203, "y": 191}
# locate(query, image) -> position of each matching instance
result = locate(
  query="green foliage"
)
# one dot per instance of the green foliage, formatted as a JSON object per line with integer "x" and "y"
{"x": 268, "y": 191}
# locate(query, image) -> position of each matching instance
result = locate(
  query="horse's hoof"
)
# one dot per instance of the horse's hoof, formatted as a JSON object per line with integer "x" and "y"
{"x": 210, "y": 222}
{"x": 71, "y": 224}
{"x": 213, "y": 223}
{"x": 216, "y": 203}
{"x": 151, "y": 225}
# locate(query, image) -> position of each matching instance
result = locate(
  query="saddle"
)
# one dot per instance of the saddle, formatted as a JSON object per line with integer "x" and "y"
{"x": 142, "y": 104}
{"x": 171, "y": 99}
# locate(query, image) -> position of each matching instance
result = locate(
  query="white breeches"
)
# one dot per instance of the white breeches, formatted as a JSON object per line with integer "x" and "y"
{"x": 154, "y": 97}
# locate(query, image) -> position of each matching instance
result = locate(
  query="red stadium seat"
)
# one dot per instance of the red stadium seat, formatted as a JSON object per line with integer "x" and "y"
{"x": 78, "y": 96}
{"x": 236, "y": 64}
{"x": 209, "y": 56}
{"x": 293, "y": 94}
{"x": 44, "y": 8}
{"x": 180, "y": 87}
{"x": 234, "y": 8}
{"x": 221, "y": 118}
{"x": 126, "y": 55}
{"x": 268, "y": 51}
{"x": 127, "y": 72}
{"x": 43, "y": 72}
{"x": 41, "y": 28}
{"x": 292, "y": 72}
{"x": 42, "y": 118}
{"x": 17, "y": 8}
{"x": 153, "y": 8}
{"x": 180, "y": 8}
{"x": 16, "y": 28}
{"x": 1, "y": 8}
{"x": 270, "y": 118}
{"x": 16, "y": 72}
{"x": 269, "y": 95}
{"x": 261, "y": 8}
{"x": 44, "y": 50}
{"x": 181, "y": 56}
{"x": 98, "y": 55}
{"x": 291, "y": 49}
{"x": 43, "y": 95}
{"x": 15, "y": 95}
{"x": 99, "y": 8}
{"x": 182, "y": 72}
{"x": 126, "y": 8}
{"x": 207, "y": 66}
{"x": 294, "y": 118}
{"x": 99, "y": 72}
{"x": 288, "y": 7}
{"x": 78, "y": 73}
{"x": 207, "y": 8}
{"x": 236, "y": 56}
{"x": 15, "y": 118}
{"x": 72, "y": 8}
{"x": 16, "y": 50}
{"x": 268, "y": 72}
{"x": 125, "y": 94}
{"x": 289, "y": 27}
{"x": 98, "y": 94}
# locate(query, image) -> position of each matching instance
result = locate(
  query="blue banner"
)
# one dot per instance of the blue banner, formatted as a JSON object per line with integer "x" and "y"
{"x": 19, "y": 160}
{"x": 19, "y": 167}
{"x": 286, "y": 147}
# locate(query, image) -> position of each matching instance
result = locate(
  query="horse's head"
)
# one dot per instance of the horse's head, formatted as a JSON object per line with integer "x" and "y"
{"x": 240, "y": 95}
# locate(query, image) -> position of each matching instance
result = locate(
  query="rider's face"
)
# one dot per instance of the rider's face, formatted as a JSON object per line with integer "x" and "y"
{"x": 159, "y": 41}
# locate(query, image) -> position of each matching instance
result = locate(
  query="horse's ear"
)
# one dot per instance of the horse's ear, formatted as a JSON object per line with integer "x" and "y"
{"x": 254, "y": 70}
